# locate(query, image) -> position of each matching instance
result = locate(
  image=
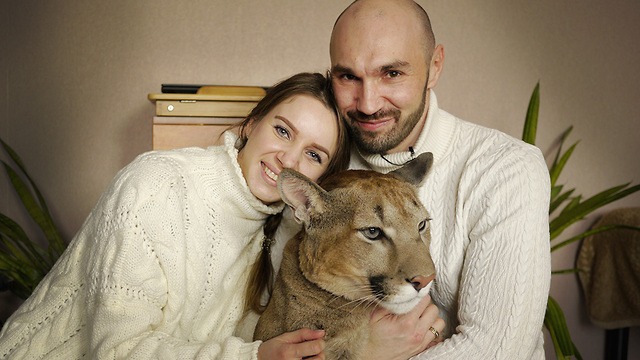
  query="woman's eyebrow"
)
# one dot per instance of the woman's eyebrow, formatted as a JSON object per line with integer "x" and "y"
{"x": 289, "y": 123}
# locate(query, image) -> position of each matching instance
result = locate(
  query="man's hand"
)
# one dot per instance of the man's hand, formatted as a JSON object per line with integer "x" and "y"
{"x": 399, "y": 337}
{"x": 303, "y": 343}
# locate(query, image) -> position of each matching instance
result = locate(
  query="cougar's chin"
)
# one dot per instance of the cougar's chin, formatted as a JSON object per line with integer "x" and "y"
{"x": 405, "y": 300}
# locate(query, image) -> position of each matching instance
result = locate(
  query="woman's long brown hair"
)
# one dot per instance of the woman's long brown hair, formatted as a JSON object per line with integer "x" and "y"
{"x": 317, "y": 86}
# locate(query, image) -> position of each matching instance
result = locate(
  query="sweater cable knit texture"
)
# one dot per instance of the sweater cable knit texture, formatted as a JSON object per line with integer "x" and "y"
{"x": 157, "y": 270}
{"x": 488, "y": 195}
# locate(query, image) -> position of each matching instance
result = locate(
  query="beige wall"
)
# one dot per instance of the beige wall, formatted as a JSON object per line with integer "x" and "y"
{"x": 76, "y": 74}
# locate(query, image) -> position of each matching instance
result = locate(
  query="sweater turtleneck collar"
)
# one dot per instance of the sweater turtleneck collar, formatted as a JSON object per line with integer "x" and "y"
{"x": 247, "y": 203}
{"x": 435, "y": 137}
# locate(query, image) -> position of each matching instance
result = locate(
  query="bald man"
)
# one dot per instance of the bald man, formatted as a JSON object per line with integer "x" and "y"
{"x": 487, "y": 192}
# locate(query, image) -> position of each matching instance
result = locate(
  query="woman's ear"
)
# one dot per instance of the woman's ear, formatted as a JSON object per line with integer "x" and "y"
{"x": 248, "y": 128}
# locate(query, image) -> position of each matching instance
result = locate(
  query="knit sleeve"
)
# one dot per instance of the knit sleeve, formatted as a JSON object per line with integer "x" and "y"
{"x": 140, "y": 294}
{"x": 505, "y": 277}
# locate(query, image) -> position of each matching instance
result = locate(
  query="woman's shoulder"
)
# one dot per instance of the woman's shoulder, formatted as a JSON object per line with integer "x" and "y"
{"x": 174, "y": 158}
{"x": 183, "y": 158}
{"x": 156, "y": 171}
{"x": 165, "y": 162}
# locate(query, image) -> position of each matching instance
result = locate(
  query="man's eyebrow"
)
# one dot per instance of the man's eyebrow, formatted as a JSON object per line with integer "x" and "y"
{"x": 339, "y": 69}
{"x": 398, "y": 64}
{"x": 295, "y": 130}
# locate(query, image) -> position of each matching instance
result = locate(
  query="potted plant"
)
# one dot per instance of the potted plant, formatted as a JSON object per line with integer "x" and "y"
{"x": 566, "y": 208}
{"x": 23, "y": 262}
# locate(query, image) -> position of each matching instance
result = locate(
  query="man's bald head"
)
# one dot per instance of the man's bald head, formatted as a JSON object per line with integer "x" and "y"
{"x": 381, "y": 8}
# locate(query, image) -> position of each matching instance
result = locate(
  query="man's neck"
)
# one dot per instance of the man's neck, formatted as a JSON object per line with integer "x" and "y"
{"x": 409, "y": 142}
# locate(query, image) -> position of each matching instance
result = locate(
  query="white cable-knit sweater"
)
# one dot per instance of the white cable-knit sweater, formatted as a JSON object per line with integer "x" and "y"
{"x": 157, "y": 271}
{"x": 488, "y": 195}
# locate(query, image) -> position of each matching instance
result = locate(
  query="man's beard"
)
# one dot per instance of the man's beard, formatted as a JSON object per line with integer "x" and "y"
{"x": 374, "y": 143}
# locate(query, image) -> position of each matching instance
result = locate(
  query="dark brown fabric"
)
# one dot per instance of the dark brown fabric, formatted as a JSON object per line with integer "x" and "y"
{"x": 610, "y": 277}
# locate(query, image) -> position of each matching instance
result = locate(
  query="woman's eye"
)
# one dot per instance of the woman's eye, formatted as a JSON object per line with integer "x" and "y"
{"x": 372, "y": 233}
{"x": 282, "y": 131}
{"x": 315, "y": 157}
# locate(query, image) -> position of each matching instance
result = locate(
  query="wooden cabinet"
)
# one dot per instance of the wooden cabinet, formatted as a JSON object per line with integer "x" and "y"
{"x": 184, "y": 120}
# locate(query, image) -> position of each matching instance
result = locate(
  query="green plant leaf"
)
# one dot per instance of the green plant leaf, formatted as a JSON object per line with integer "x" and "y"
{"x": 531, "y": 120}
{"x": 15, "y": 252}
{"x": 563, "y": 138}
{"x": 555, "y": 203}
{"x": 23, "y": 277}
{"x": 578, "y": 211}
{"x": 558, "y": 164}
{"x": 12, "y": 229}
{"x": 566, "y": 271}
{"x": 32, "y": 251}
{"x": 26, "y": 273}
{"x": 16, "y": 159}
{"x": 34, "y": 210}
{"x": 23, "y": 261}
{"x": 8, "y": 262}
{"x": 592, "y": 232}
{"x": 572, "y": 204}
{"x": 555, "y": 191}
{"x": 556, "y": 324}
{"x": 47, "y": 225}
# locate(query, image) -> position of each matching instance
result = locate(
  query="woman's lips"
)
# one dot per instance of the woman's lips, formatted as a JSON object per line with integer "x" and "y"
{"x": 269, "y": 173}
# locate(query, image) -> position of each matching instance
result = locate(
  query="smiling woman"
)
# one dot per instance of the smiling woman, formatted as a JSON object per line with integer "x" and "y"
{"x": 161, "y": 264}
{"x": 300, "y": 133}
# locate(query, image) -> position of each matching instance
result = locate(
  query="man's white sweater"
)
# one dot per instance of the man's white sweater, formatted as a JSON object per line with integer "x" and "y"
{"x": 157, "y": 271}
{"x": 488, "y": 195}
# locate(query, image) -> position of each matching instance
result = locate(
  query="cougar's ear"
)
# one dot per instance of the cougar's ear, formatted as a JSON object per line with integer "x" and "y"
{"x": 415, "y": 170}
{"x": 303, "y": 195}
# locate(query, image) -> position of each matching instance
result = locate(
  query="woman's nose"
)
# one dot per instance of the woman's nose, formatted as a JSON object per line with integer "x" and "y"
{"x": 289, "y": 159}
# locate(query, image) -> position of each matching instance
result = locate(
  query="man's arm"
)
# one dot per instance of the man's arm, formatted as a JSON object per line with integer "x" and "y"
{"x": 505, "y": 278}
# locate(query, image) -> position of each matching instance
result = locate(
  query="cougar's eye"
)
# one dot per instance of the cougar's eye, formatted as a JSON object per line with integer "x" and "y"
{"x": 372, "y": 233}
{"x": 424, "y": 224}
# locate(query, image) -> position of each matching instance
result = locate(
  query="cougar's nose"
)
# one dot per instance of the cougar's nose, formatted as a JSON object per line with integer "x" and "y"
{"x": 420, "y": 281}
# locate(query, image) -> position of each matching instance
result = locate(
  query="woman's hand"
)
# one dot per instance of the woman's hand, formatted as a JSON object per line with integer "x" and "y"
{"x": 394, "y": 336}
{"x": 303, "y": 343}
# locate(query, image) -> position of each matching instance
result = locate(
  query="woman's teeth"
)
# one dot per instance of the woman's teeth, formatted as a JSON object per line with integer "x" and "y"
{"x": 271, "y": 174}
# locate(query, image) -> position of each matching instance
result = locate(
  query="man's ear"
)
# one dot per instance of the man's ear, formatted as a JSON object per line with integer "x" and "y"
{"x": 304, "y": 196}
{"x": 436, "y": 66}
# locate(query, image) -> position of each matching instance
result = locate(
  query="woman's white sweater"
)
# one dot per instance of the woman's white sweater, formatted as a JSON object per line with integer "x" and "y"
{"x": 157, "y": 271}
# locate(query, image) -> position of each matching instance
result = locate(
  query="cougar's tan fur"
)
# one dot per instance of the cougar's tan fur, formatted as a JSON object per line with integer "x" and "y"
{"x": 365, "y": 242}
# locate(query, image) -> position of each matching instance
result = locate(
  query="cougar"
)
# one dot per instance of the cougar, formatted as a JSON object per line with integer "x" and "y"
{"x": 365, "y": 242}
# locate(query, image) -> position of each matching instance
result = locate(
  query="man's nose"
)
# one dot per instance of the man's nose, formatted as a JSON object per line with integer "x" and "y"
{"x": 369, "y": 100}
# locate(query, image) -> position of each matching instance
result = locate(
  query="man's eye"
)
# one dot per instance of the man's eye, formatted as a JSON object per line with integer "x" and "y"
{"x": 393, "y": 74}
{"x": 348, "y": 77}
{"x": 372, "y": 233}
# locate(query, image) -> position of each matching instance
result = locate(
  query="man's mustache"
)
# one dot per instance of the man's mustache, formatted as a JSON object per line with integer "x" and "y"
{"x": 380, "y": 114}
